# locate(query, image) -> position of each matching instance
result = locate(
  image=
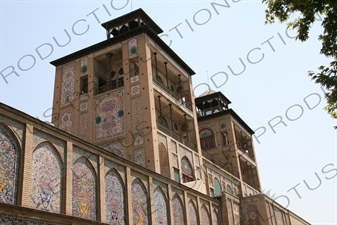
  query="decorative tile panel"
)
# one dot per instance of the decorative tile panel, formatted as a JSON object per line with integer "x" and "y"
{"x": 17, "y": 128}
{"x": 40, "y": 136}
{"x": 109, "y": 118}
{"x": 133, "y": 46}
{"x": 93, "y": 159}
{"x": 160, "y": 207}
{"x": 253, "y": 214}
{"x": 178, "y": 211}
{"x": 83, "y": 126}
{"x": 67, "y": 85}
{"x": 161, "y": 185}
{"x": 83, "y": 106}
{"x": 139, "y": 156}
{"x": 84, "y": 65}
{"x": 138, "y": 140}
{"x": 84, "y": 190}
{"x": 66, "y": 120}
{"x": 173, "y": 146}
{"x": 108, "y": 165}
{"x": 114, "y": 198}
{"x": 139, "y": 203}
{"x": 184, "y": 152}
{"x": 46, "y": 186}
{"x": 115, "y": 147}
{"x": 136, "y": 113}
{"x": 10, "y": 220}
{"x": 135, "y": 90}
{"x": 134, "y": 79}
{"x": 9, "y": 163}
{"x": 215, "y": 216}
{"x": 175, "y": 160}
{"x": 162, "y": 139}
{"x": 236, "y": 211}
{"x": 204, "y": 216}
{"x": 192, "y": 214}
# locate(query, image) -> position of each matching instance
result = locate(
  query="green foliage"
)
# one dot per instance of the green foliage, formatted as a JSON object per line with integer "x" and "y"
{"x": 303, "y": 12}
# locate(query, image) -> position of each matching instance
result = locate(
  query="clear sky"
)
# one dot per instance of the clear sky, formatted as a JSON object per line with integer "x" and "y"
{"x": 272, "y": 92}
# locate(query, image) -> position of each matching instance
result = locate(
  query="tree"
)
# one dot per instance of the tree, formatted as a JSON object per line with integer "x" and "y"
{"x": 304, "y": 12}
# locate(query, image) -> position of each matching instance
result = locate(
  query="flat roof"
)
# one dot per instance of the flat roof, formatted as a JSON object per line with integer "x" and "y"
{"x": 138, "y": 13}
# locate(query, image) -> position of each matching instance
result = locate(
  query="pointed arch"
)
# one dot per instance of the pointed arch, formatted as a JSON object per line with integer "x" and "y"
{"x": 215, "y": 217}
{"x": 204, "y": 215}
{"x": 84, "y": 189}
{"x": 229, "y": 189}
{"x": 186, "y": 170}
{"x": 160, "y": 206}
{"x": 207, "y": 139}
{"x": 178, "y": 210}
{"x": 46, "y": 179}
{"x": 114, "y": 197}
{"x": 139, "y": 202}
{"x": 10, "y": 153}
{"x": 163, "y": 160}
{"x": 217, "y": 187}
{"x": 47, "y": 142}
{"x": 88, "y": 161}
{"x": 192, "y": 213}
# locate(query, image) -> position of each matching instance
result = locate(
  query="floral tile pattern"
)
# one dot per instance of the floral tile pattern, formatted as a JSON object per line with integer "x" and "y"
{"x": 9, "y": 158}
{"x": 84, "y": 189}
{"x": 114, "y": 198}
{"x": 45, "y": 192}
{"x": 139, "y": 203}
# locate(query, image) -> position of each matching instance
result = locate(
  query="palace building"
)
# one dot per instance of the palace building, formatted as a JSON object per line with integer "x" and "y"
{"x": 129, "y": 144}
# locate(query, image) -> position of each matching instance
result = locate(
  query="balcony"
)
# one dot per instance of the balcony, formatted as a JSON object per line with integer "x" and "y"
{"x": 250, "y": 182}
{"x": 177, "y": 137}
{"x": 177, "y": 97}
{"x": 223, "y": 165}
{"x": 108, "y": 87}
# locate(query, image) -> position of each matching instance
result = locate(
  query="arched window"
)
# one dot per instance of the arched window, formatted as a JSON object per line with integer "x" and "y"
{"x": 207, "y": 139}
{"x": 229, "y": 189}
{"x": 217, "y": 187}
{"x": 186, "y": 170}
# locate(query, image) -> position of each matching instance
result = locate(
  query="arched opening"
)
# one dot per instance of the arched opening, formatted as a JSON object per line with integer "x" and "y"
{"x": 163, "y": 160}
{"x": 207, "y": 139}
{"x": 186, "y": 170}
{"x": 217, "y": 187}
{"x": 229, "y": 189}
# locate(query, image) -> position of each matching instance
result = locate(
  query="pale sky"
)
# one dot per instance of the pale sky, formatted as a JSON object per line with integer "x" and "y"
{"x": 272, "y": 93}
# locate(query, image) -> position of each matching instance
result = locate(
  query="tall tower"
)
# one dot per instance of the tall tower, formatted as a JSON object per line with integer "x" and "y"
{"x": 226, "y": 139}
{"x": 130, "y": 94}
